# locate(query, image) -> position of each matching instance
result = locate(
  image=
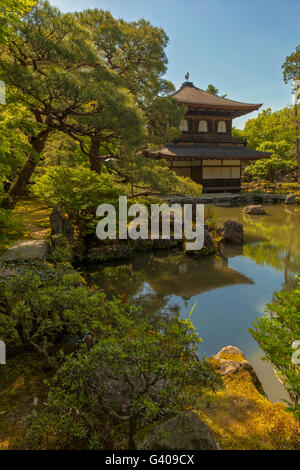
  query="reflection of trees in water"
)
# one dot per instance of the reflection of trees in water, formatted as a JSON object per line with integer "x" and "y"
{"x": 281, "y": 248}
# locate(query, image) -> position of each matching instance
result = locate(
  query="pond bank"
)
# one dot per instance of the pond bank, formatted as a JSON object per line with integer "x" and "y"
{"x": 231, "y": 199}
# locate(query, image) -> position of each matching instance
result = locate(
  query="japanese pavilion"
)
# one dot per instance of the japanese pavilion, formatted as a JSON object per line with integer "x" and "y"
{"x": 206, "y": 151}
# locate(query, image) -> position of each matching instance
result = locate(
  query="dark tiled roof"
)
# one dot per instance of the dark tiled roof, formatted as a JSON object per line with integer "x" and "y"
{"x": 194, "y": 151}
{"x": 189, "y": 94}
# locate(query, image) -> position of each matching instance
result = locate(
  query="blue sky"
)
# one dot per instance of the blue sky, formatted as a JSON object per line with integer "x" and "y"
{"x": 238, "y": 45}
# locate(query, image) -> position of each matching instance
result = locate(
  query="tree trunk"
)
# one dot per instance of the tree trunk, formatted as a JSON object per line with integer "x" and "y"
{"x": 95, "y": 162}
{"x": 19, "y": 185}
{"x": 297, "y": 139}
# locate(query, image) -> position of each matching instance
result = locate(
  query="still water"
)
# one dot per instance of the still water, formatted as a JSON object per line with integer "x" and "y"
{"x": 230, "y": 292}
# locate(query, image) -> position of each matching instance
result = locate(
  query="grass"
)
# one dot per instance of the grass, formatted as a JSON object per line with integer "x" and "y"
{"x": 21, "y": 391}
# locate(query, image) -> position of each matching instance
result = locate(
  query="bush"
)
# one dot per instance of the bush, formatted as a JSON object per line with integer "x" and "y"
{"x": 275, "y": 334}
{"x": 271, "y": 169}
{"x": 44, "y": 304}
{"x": 101, "y": 397}
{"x": 78, "y": 192}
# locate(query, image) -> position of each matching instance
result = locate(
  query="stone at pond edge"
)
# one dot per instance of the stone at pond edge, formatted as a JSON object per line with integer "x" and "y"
{"x": 232, "y": 232}
{"x": 186, "y": 432}
{"x": 231, "y": 360}
{"x": 108, "y": 253}
{"x": 208, "y": 248}
{"x": 27, "y": 250}
{"x": 254, "y": 209}
{"x": 290, "y": 199}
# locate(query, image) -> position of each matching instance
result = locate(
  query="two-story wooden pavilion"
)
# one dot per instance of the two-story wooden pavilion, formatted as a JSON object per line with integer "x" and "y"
{"x": 206, "y": 150}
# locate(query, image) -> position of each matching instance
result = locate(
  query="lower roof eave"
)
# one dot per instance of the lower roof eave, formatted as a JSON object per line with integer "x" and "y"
{"x": 207, "y": 153}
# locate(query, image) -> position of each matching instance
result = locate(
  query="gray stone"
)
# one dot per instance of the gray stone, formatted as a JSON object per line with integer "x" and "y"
{"x": 232, "y": 232}
{"x": 27, "y": 250}
{"x": 108, "y": 253}
{"x": 254, "y": 209}
{"x": 60, "y": 226}
{"x": 186, "y": 432}
{"x": 290, "y": 199}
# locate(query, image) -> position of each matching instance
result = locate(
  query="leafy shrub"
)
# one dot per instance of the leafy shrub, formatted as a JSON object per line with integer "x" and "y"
{"x": 78, "y": 192}
{"x": 275, "y": 334}
{"x": 43, "y": 304}
{"x": 271, "y": 169}
{"x": 129, "y": 379}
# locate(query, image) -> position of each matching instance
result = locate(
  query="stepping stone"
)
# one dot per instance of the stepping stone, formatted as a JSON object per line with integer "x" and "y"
{"x": 26, "y": 250}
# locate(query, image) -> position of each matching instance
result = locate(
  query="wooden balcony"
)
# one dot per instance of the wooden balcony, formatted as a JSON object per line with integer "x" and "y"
{"x": 210, "y": 138}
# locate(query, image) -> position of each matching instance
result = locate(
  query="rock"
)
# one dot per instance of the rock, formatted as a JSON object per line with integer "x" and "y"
{"x": 187, "y": 432}
{"x": 232, "y": 350}
{"x": 231, "y": 360}
{"x": 232, "y": 232}
{"x": 27, "y": 250}
{"x": 208, "y": 248}
{"x": 290, "y": 199}
{"x": 60, "y": 226}
{"x": 254, "y": 209}
{"x": 108, "y": 253}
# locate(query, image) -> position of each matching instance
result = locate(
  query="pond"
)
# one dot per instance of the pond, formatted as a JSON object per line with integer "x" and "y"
{"x": 230, "y": 292}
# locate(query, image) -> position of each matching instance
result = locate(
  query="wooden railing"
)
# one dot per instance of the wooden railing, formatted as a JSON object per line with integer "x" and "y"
{"x": 197, "y": 137}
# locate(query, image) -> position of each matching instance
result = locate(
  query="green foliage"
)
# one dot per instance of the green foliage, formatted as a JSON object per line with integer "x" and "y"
{"x": 213, "y": 90}
{"x": 44, "y": 303}
{"x": 10, "y": 228}
{"x": 145, "y": 176}
{"x": 11, "y": 12}
{"x": 291, "y": 66}
{"x": 272, "y": 131}
{"x": 275, "y": 333}
{"x": 77, "y": 191}
{"x": 125, "y": 381}
{"x": 271, "y": 169}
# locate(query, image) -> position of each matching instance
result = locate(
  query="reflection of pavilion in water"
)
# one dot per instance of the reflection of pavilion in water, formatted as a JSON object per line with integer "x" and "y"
{"x": 187, "y": 276}
{"x": 150, "y": 280}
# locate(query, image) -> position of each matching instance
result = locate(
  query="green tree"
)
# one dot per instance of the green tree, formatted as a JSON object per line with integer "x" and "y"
{"x": 11, "y": 12}
{"x": 272, "y": 169}
{"x": 275, "y": 334}
{"x": 55, "y": 56}
{"x": 213, "y": 90}
{"x": 291, "y": 71}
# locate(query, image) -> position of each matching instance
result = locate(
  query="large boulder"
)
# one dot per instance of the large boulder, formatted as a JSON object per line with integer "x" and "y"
{"x": 254, "y": 209}
{"x": 231, "y": 360}
{"x": 184, "y": 432}
{"x": 290, "y": 199}
{"x": 232, "y": 232}
{"x": 209, "y": 247}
